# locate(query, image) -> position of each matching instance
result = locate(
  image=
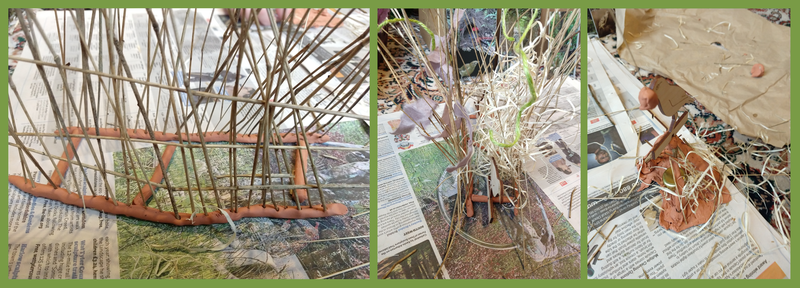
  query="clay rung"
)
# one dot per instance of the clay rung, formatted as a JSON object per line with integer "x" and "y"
{"x": 138, "y": 210}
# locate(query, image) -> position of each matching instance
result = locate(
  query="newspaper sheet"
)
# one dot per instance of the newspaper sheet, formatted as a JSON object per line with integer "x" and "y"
{"x": 562, "y": 184}
{"x": 51, "y": 240}
{"x": 612, "y": 148}
{"x": 48, "y": 239}
{"x": 638, "y": 246}
{"x": 402, "y": 227}
{"x": 627, "y": 88}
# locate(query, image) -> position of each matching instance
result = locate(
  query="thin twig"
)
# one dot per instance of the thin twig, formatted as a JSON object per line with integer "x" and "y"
{"x": 398, "y": 262}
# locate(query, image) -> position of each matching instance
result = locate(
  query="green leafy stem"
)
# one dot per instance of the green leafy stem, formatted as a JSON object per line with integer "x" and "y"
{"x": 526, "y": 69}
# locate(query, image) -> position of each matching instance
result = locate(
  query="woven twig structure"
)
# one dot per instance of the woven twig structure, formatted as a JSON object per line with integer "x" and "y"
{"x": 173, "y": 96}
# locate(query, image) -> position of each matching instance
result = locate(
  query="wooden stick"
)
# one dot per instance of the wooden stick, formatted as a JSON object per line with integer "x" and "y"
{"x": 570, "y": 202}
{"x": 398, "y": 262}
{"x": 708, "y": 260}
{"x": 601, "y": 226}
{"x": 601, "y": 244}
{"x": 345, "y": 271}
{"x": 591, "y": 89}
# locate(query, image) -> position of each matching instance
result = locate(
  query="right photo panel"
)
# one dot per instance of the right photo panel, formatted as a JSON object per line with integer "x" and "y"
{"x": 688, "y": 143}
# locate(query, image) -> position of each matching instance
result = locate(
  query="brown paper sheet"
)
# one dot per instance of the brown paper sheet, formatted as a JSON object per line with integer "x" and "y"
{"x": 712, "y": 62}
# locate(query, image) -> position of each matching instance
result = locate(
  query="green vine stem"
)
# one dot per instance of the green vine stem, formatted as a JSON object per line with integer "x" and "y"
{"x": 395, "y": 20}
{"x": 528, "y": 78}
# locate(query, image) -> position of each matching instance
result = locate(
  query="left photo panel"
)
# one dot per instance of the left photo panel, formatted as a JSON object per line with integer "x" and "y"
{"x": 189, "y": 143}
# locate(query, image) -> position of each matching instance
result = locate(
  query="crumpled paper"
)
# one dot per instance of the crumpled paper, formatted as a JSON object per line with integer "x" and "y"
{"x": 711, "y": 57}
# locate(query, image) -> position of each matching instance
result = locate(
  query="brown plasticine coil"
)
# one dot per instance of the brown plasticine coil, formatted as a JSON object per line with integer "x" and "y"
{"x": 109, "y": 206}
{"x": 62, "y": 166}
{"x": 671, "y": 216}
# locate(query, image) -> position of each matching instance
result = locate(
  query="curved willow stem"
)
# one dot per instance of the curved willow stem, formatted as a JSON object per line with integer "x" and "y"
{"x": 395, "y": 20}
{"x": 531, "y": 87}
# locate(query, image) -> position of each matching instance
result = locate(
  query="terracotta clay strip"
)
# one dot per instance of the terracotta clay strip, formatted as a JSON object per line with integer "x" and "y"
{"x": 483, "y": 199}
{"x": 300, "y": 165}
{"x": 100, "y": 203}
{"x": 158, "y": 175}
{"x": 195, "y": 137}
{"x": 62, "y": 166}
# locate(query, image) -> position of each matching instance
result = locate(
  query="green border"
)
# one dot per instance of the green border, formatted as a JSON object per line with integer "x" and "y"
{"x": 373, "y": 149}
{"x": 584, "y": 151}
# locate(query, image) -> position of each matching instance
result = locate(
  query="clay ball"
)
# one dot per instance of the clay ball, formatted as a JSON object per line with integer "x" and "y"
{"x": 757, "y": 71}
{"x": 647, "y": 99}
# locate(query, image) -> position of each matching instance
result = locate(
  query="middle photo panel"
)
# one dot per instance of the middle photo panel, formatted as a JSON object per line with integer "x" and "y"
{"x": 479, "y": 164}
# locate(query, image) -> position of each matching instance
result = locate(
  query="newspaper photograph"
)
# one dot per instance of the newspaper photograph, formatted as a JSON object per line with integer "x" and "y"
{"x": 604, "y": 146}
